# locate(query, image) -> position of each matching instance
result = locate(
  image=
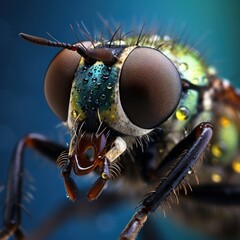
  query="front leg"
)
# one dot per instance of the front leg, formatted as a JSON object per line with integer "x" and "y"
{"x": 177, "y": 164}
{"x": 13, "y": 199}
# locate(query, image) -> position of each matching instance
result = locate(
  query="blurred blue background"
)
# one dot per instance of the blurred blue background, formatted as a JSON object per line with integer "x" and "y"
{"x": 216, "y": 24}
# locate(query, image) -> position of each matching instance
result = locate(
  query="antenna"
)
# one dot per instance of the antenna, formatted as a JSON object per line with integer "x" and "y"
{"x": 90, "y": 55}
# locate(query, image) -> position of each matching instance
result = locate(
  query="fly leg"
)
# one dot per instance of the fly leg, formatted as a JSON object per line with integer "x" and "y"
{"x": 176, "y": 166}
{"x": 13, "y": 199}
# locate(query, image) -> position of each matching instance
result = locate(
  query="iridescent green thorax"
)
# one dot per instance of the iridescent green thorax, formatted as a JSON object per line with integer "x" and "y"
{"x": 188, "y": 62}
{"x": 193, "y": 70}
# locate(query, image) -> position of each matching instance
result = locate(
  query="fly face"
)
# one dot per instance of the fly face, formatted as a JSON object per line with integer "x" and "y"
{"x": 107, "y": 93}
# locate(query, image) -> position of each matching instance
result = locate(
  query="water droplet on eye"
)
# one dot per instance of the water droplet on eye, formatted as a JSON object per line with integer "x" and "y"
{"x": 97, "y": 101}
{"x": 97, "y": 85}
{"x": 103, "y": 96}
{"x": 195, "y": 81}
{"x": 94, "y": 80}
{"x": 183, "y": 67}
{"x": 84, "y": 69}
{"x": 106, "y": 71}
{"x": 85, "y": 80}
{"x": 182, "y": 113}
{"x": 74, "y": 113}
{"x": 89, "y": 99}
{"x": 105, "y": 78}
{"x": 109, "y": 86}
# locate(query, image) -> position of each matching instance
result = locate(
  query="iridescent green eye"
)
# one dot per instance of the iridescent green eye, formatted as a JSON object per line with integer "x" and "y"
{"x": 150, "y": 87}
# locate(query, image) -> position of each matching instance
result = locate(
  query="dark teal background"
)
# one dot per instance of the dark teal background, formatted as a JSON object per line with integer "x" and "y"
{"x": 212, "y": 26}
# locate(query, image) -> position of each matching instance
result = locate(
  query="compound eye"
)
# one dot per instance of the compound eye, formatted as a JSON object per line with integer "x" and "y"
{"x": 58, "y": 81}
{"x": 150, "y": 87}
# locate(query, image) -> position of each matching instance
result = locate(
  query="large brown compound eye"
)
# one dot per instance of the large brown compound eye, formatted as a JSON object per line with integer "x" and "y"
{"x": 58, "y": 81}
{"x": 150, "y": 87}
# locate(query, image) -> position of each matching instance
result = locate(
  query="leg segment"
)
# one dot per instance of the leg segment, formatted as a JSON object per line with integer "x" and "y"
{"x": 176, "y": 166}
{"x": 12, "y": 212}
